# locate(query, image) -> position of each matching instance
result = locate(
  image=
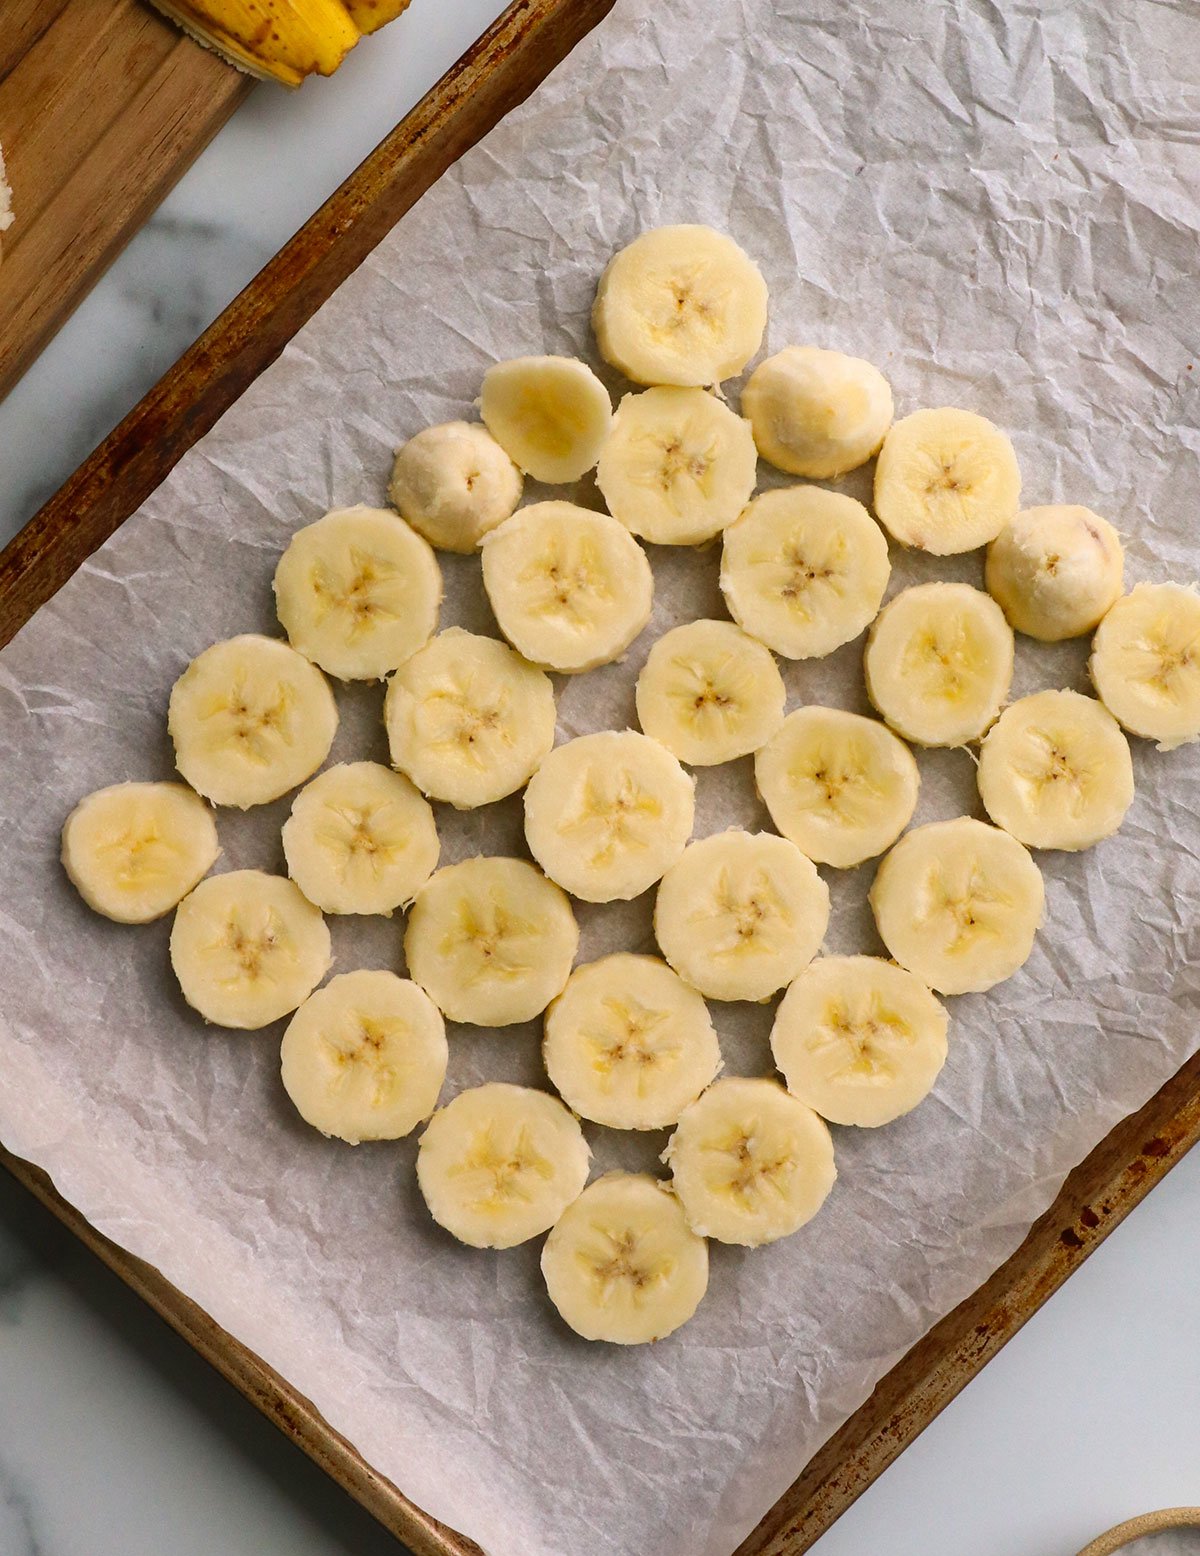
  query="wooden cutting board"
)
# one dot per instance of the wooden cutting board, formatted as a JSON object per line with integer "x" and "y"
{"x": 103, "y": 105}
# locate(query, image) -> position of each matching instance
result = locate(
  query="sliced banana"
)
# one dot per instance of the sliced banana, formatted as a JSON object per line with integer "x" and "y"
{"x": 360, "y": 839}
{"x": 817, "y": 413}
{"x": 629, "y": 1044}
{"x": 958, "y": 903}
{"x": 710, "y": 692}
{"x": 859, "y": 1039}
{"x": 677, "y": 466}
{"x": 606, "y": 814}
{"x": 134, "y": 850}
{"x": 453, "y": 483}
{"x": 840, "y": 786}
{"x": 491, "y": 941}
{"x": 1055, "y": 571}
{"x": 939, "y": 663}
{"x": 499, "y": 1164}
{"x": 358, "y": 592}
{"x": 804, "y": 570}
{"x": 570, "y": 588}
{"x": 248, "y": 948}
{"x": 250, "y": 719}
{"x": 946, "y": 481}
{"x": 1055, "y": 771}
{"x": 750, "y": 1162}
{"x": 621, "y": 1264}
{"x": 364, "y": 1058}
{"x": 468, "y": 720}
{"x": 740, "y": 914}
{"x": 549, "y": 414}
{"x": 680, "y": 305}
{"x": 1145, "y": 663}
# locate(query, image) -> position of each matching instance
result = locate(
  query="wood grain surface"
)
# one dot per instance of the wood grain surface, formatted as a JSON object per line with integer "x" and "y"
{"x": 508, "y": 62}
{"x": 103, "y": 105}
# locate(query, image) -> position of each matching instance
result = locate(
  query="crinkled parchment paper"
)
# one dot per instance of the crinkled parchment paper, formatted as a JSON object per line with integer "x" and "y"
{"x": 999, "y": 205}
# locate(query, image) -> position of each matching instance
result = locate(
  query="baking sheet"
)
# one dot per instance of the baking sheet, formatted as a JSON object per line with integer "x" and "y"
{"x": 1001, "y": 209}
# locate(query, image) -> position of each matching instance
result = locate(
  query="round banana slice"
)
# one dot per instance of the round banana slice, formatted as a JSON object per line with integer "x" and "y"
{"x": 606, "y": 814}
{"x": 248, "y": 948}
{"x": 680, "y": 305}
{"x": 840, "y": 786}
{"x": 740, "y": 914}
{"x": 804, "y": 570}
{"x": 946, "y": 481}
{"x": 364, "y": 1058}
{"x": 1055, "y": 771}
{"x": 1055, "y": 571}
{"x": 859, "y": 1039}
{"x": 1145, "y": 663}
{"x": 817, "y": 413}
{"x": 939, "y": 663}
{"x": 491, "y": 941}
{"x": 134, "y": 850}
{"x": 570, "y": 588}
{"x": 468, "y": 719}
{"x": 677, "y": 466}
{"x": 453, "y": 483}
{"x": 710, "y": 692}
{"x": 621, "y": 1264}
{"x": 358, "y": 592}
{"x": 250, "y": 719}
{"x": 750, "y": 1162}
{"x": 629, "y": 1044}
{"x": 549, "y": 414}
{"x": 360, "y": 839}
{"x": 958, "y": 903}
{"x": 499, "y": 1164}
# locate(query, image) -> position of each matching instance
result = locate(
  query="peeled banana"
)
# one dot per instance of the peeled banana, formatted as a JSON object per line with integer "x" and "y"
{"x": 1145, "y": 663}
{"x": 817, "y": 413}
{"x": 1055, "y": 571}
{"x": 453, "y": 483}
{"x": 549, "y": 414}
{"x": 946, "y": 481}
{"x": 740, "y": 914}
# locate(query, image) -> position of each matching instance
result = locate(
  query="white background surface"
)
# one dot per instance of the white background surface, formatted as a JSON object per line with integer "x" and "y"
{"x": 113, "y": 1437}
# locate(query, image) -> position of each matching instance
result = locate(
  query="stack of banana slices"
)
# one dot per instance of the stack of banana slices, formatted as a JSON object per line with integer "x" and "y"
{"x": 629, "y": 1039}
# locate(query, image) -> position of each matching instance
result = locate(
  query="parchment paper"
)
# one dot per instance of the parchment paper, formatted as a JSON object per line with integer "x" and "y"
{"x": 999, "y": 205}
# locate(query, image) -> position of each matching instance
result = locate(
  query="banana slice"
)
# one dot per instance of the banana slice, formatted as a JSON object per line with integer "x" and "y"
{"x": 468, "y": 719}
{"x": 709, "y": 692}
{"x": 1145, "y": 663}
{"x": 750, "y": 1162}
{"x": 629, "y": 1044}
{"x": 358, "y": 592}
{"x": 680, "y": 305}
{"x": 860, "y": 1040}
{"x": 939, "y": 663}
{"x": 570, "y": 588}
{"x": 364, "y": 1058}
{"x": 453, "y": 483}
{"x": 549, "y": 414}
{"x": 677, "y": 466}
{"x": 840, "y": 786}
{"x": 500, "y": 1164}
{"x": 958, "y": 903}
{"x": 621, "y": 1264}
{"x": 1055, "y": 771}
{"x": 740, "y": 914}
{"x": 817, "y": 413}
{"x": 606, "y": 814}
{"x": 1055, "y": 571}
{"x": 248, "y": 948}
{"x": 491, "y": 941}
{"x": 946, "y": 481}
{"x": 804, "y": 570}
{"x": 250, "y": 719}
{"x": 360, "y": 839}
{"x": 134, "y": 850}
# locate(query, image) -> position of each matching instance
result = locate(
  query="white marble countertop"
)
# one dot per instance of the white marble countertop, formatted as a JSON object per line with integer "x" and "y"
{"x": 115, "y": 1439}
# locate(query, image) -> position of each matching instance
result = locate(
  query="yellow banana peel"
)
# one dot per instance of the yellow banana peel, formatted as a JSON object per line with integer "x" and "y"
{"x": 371, "y": 15}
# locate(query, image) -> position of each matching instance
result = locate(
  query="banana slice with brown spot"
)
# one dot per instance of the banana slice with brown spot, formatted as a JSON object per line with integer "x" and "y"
{"x": 710, "y": 692}
{"x": 946, "y": 481}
